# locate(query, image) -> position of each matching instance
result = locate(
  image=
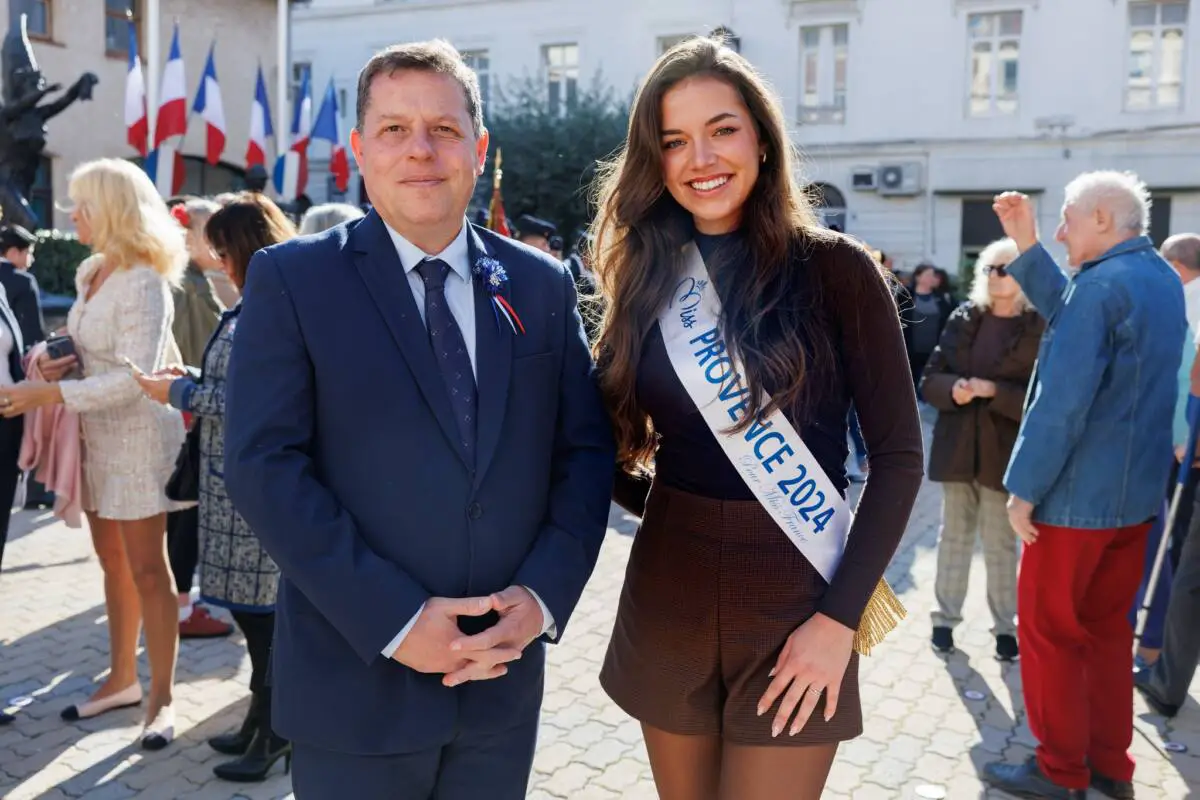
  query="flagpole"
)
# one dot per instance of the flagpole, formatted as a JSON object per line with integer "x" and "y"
{"x": 153, "y": 35}
{"x": 283, "y": 76}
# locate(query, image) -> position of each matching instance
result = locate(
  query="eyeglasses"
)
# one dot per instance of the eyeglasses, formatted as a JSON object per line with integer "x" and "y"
{"x": 999, "y": 270}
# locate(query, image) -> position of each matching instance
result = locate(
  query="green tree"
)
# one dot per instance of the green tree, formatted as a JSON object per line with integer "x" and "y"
{"x": 57, "y": 256}
{"x": 549, "y": 159}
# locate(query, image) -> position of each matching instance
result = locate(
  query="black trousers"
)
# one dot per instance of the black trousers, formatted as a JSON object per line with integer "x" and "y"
{"x": 475, "y": 765}
{"x": 259, "y": 630}
{"x": 10, "y": 449}
{"x": 183, "y": 546}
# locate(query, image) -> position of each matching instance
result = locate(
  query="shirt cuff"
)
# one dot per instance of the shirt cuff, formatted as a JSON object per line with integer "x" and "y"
{"x": 548, "y": 626}
{"x": 394, "y": 644}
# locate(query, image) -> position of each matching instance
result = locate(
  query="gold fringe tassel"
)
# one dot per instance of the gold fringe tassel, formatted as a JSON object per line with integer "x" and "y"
{"x": 884, "y": 612}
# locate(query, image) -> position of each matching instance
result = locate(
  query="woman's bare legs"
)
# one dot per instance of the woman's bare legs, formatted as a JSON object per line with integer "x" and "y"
{"x": 121, "y": 603}
{"x": 775, "y": 773}
{"x": 146, "y": 546}
{"x": 684, "y": 767}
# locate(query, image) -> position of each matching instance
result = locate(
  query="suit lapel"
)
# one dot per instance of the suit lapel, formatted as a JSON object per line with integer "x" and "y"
{"x": 493, "y": 365}
{"x": 379, "y": 266}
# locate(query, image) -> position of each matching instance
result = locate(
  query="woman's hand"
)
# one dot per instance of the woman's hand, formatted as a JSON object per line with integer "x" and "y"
{"x": 27, "y": 396}
{"x": 53, "y": 369}
{"x": 157, "y": 387}
{"x": 983, "y": 388}
{"x": 814, "y": 660}
{"x": 174, "y": 371}
{"x": 962, "y": 393}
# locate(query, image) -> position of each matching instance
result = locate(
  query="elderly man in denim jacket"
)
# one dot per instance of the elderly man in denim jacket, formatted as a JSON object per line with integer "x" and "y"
{"x": 1086, "y": 476}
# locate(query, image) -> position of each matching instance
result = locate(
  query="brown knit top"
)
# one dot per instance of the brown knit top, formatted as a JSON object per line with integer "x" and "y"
{"x": 870, "y": 370}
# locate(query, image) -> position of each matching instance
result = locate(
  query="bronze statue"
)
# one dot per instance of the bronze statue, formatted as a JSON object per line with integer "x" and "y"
{"x": 23, "y": 122}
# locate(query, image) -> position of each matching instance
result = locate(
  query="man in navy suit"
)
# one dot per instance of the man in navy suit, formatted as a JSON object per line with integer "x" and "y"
{"x": 415, "y": 433}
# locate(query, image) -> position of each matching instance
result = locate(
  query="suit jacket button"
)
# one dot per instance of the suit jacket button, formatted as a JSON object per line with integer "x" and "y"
{"x": 475, "y": 511}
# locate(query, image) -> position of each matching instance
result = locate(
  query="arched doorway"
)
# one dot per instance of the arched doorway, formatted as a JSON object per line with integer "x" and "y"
{"x": 831, "y": 205}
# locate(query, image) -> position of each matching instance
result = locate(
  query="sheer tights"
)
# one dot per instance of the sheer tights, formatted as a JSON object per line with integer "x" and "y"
{"x": 705, "y": 768}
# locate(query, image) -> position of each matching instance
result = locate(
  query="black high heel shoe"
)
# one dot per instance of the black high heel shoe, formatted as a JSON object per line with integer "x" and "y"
{"x": 236, "y": 743}
{"x": 264, "y": 750}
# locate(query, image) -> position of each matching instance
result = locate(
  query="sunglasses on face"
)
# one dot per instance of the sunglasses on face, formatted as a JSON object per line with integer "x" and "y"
{"x": 999, "y": 270}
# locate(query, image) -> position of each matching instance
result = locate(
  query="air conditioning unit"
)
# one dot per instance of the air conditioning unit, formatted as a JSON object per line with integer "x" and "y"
{"x": 864, "y": 179}
{"x": 900, "y": 179}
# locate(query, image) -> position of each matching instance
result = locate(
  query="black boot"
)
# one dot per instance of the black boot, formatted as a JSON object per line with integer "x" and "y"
{"x": 264, "y": 750}
{"x": 235, "y": 744}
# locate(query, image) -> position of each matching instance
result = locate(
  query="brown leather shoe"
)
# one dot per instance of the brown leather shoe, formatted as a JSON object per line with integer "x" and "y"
{"x": 203, "y": 625}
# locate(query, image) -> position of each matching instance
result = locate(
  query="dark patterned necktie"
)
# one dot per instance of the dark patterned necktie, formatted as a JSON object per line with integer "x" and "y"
{"x": 450, "y": 350}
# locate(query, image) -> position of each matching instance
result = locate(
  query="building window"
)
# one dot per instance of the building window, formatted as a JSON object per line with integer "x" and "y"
{"x": 1156, "y": 36}
{"x": 561, "y": 65}
{"x": 830, "y": 205}
{"x": 995, "y": 41}
{"x": 479, "y": 61}
{"x": 299, "y": 68}
{"x": 823, "y": 54}
{"x": 41, "y": 194}
{"x": 117, "y": 14}
{"x": 40, "y": 19}
{"x": 665, "y": 43}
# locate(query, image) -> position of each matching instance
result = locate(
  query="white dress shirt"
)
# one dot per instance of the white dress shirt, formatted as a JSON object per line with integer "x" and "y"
{"x": 460, "y": 297}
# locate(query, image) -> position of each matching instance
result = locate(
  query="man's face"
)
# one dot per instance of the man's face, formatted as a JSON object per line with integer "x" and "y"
{"x": 21, "y": 259}
{"x": 1085, "y": 233}
{"x": 417, "y": 152}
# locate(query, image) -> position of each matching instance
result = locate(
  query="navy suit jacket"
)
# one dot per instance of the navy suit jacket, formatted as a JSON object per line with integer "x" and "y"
{"x": 339, "y": 452}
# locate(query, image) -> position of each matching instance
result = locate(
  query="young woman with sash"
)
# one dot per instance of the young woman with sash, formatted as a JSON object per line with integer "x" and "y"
{"x": 736, "y": 334}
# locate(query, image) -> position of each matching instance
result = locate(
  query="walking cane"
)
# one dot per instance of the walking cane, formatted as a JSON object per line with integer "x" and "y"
{"x": 1164, "y": 542}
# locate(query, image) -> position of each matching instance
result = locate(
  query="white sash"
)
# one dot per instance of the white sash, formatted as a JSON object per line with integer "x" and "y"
{"x": 769, "y": 455}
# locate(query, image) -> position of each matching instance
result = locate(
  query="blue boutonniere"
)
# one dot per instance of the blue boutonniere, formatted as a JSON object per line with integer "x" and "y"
{"x": 494, "y": 278}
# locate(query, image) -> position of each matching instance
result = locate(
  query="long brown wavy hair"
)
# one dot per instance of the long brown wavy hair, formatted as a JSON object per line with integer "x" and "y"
{"x": 771, "y": 307}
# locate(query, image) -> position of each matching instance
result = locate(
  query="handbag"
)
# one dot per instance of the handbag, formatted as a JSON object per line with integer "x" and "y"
{"x": 184, "y": 484}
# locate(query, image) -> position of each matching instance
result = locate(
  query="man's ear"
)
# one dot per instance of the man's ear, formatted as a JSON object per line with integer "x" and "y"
{"x": 481, "y": 151}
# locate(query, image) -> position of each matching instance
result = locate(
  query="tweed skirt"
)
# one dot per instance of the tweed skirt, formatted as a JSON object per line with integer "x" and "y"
{"x": 712, "y": 591}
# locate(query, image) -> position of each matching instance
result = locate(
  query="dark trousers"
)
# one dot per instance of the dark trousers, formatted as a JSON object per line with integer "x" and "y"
{"x": 259, "y": 630}
{"x": 183, "y": 546}
{"x": 916, "y": 365}
{"x": 10, "y": 449}
{"x": 1152, "y": 636}
{"x": 495, "y": 766}
{"x": 1172, "y": 673}
{"x": 1074, "y": 589}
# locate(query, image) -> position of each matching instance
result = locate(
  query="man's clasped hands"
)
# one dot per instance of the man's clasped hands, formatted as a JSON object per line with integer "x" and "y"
{"x": 435, "y": 644}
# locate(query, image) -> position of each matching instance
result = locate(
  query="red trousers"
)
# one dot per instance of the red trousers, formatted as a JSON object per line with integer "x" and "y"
{"x": 1074, "y": 591}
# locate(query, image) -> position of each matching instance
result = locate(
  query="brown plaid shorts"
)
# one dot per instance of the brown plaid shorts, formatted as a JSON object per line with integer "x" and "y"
{"x": 712, "y": 590}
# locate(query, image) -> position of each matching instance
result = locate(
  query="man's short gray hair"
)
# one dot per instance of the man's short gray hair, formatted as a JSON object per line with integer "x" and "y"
{"x": 1122, "y": 194}
{"x": 326, "y": 215}
{"x": 438, "y": 56}
{"x": 1183, "y": 248}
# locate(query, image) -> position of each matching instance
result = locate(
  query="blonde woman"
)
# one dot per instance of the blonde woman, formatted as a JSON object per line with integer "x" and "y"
{"x": 123, "y": 314}
{"x": 977, "y": 378}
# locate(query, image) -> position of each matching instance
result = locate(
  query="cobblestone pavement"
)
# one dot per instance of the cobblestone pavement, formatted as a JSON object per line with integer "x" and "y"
{"x": 924, "y": 729}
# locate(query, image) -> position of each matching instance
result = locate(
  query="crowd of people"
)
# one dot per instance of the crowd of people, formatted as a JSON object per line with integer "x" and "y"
{"x": 396, "y": 591}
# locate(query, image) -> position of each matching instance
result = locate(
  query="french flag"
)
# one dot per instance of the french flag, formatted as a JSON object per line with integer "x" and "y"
{"x": 164, "y": 165}
{"x": 260, "y": 125}
{"x": 291, "y": 168}
{"x": 327, "y": 128}
{"x": 208, "y": 105}
{"x": 172, "y": 106}
{"x": 137, "y": 122}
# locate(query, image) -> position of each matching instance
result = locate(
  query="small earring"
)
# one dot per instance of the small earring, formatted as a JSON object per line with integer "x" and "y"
{"x": 764, "y": 158}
